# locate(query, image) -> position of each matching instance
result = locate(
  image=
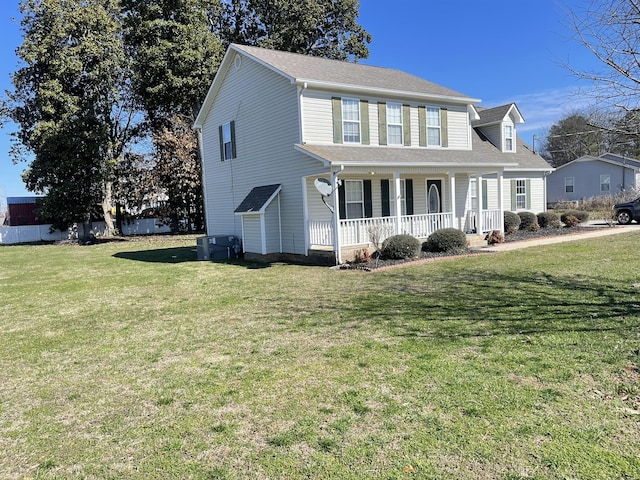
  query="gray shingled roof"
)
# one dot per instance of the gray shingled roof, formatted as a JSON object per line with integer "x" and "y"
{"x": 308, "y": 68}
{"x": 483, "y": 153}
{"x": 492, "y": 115}
{"x": 257, "y": 199}
{"x": 630, "y": 162}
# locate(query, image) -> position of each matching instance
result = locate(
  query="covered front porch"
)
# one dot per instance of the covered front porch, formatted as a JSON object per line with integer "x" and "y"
{"x": 373, "y": 231}
{"x": 366, "y": 207}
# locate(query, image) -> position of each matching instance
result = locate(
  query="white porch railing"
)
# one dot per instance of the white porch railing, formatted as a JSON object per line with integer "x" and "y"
{"x": 421, "y": 226}
{"x": 490, "y": 221}
{"x": 360, "y": 231}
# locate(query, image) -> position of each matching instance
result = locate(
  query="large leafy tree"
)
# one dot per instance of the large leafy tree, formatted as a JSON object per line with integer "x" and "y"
{"x": 175, "y": 57}
{"x": 70, "y": 103}
{"x": 323, "y": 28}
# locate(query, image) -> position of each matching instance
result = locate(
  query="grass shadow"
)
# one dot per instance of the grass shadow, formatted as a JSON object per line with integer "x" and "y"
{"x": 182, "y": 255}
{"x": 161, "y": 255}
{"x": 464, "y": 305}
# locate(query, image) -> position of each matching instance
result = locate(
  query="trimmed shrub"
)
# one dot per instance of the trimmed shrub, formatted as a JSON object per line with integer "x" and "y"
{"x": 570, "y": 221}
{"x": 511, "y": 222}
{"x": 527, "y": 221}
{"x": 494, "y": 237}
{"x": 580, "y": 215}
{"x": 445, "y": 240}
{"x": 548, "y": 219}
{"x": 400, "y": 247}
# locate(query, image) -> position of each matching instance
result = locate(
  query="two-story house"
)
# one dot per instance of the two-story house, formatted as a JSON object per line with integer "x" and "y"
{"x": 302, "y": 154}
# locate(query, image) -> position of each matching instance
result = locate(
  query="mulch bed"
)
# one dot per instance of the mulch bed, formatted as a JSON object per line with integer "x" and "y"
{"x": 378, "y": 264}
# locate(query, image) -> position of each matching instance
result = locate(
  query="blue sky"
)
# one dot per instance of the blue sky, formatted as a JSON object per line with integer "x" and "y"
{"x": 499, "y": 51}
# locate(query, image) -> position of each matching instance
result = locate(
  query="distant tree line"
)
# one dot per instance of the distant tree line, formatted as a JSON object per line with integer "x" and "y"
{"x": 107, "y": 92}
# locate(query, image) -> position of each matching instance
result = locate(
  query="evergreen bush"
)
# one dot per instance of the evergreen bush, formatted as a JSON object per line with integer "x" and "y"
{"x": 400, "y": 247}
{"x": 528, "y": 221}
{"x": 445, "y": 240}
{"x": 548, "y": 219}
{"x": 511, "y": 222}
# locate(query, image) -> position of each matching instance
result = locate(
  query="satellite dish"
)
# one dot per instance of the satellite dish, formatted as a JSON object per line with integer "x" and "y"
{"x": 323, "y": 186}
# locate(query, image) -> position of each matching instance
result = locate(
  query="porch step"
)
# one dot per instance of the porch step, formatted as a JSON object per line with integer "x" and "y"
{"x": 474, "y": 240}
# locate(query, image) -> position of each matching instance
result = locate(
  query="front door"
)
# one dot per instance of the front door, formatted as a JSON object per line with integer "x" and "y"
{"x": 434, "y": 196}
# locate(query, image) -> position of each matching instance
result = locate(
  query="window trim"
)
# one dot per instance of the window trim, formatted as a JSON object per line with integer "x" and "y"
{"x": 521, "y": 196}
{"x": 393, "y": 106}
{"x": 508, "y": 138}
{"x": 606, "y": 177}
{"x": 227, "y": 140}
{"x": 345, "y": 121}
{"x": 348, "y": 202}
{"x": 437, "y": 127}
{"x": 569, "y": 182}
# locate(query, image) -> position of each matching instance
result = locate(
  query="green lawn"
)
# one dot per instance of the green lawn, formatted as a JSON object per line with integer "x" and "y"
{"x": 131, "y": 360}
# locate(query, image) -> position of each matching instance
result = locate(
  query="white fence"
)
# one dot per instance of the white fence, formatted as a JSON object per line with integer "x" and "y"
{"x": 40, "y": 233}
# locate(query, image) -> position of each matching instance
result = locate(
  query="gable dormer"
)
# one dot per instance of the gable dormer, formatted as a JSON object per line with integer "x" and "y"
{"x": 498, "y": 125}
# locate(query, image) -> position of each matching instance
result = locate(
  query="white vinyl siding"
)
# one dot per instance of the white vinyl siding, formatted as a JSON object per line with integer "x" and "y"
{"x": 318, "y": 121}
{"x": 252, "y": 234}
{"x": 264, "y": 152}
{"x": 272, "y": 222}
{"x": 536, "y": 191}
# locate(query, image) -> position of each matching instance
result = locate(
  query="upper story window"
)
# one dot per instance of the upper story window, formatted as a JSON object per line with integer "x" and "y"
{"x": 394, "y": 124}
{"x": 508, "y": 138}
{"x": 605, "y": 183}
{"x": 351, "y": 120}
{"x": 227, "y": 141}
{"x": 434, "y": 136}
{"x": 568, "y": 184}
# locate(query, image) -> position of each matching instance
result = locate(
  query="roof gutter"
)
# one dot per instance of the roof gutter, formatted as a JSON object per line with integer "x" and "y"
{"x": 343, "y": 87}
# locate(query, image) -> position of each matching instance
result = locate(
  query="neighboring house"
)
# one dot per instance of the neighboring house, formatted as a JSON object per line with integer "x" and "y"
{"x": 587, "y": 177}
{"x": 398, "y": 154}
{"x": 23, "y": 211}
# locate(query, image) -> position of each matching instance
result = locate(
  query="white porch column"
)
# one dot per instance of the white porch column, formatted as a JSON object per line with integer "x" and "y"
{"x": 305, "y": 213}
{"x": 337, "y": 247}
{"x": 501, "y": 199}
{"x": 397, "y": 201}
{"x": 452, "y": 195}
{"x": 479, "y": 222}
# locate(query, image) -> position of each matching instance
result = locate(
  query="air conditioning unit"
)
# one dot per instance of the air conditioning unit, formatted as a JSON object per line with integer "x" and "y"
{"x": 218, "y": 247}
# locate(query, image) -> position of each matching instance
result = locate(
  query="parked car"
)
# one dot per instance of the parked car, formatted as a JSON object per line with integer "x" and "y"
{"x": 625, "y": 212}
